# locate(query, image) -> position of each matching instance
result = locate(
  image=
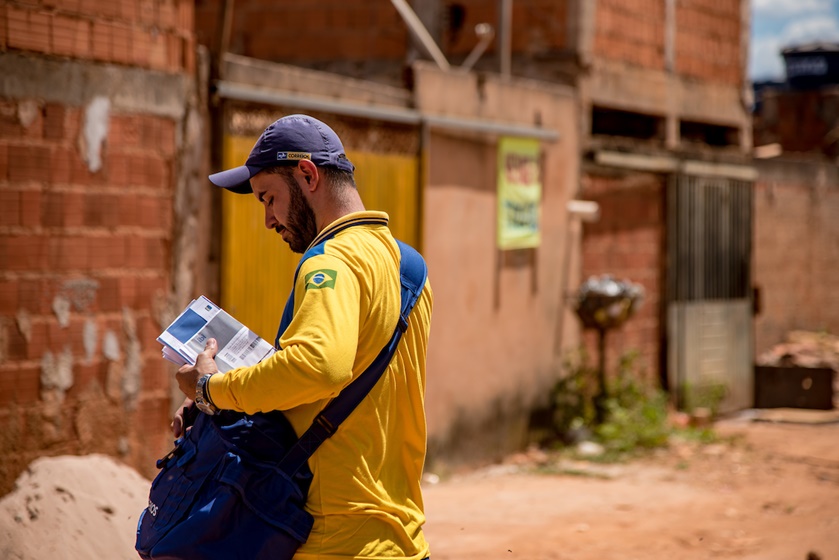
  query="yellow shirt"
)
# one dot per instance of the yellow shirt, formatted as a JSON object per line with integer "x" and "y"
{"x": 365, "y": 496}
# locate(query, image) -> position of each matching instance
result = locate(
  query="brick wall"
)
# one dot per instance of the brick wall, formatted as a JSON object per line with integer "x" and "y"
{"x": 155, "y": 34}
{"x": 627, "y": 242}
{"x": 707, "y": 36}
{"x": 303, "y": 33}
{"x": 801, "y": 121}
{"x": 85, "y": 248}
{"x": 708, "y": 40}
{"x": 796, "y": 249}
{"x": 630, "y": 31}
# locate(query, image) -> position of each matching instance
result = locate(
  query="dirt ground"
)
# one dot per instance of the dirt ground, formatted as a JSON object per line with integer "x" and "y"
{"x": 764, "y": 490}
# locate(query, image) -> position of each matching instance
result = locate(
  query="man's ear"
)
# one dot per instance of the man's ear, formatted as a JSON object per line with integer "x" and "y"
{"x": 308, "y": 173}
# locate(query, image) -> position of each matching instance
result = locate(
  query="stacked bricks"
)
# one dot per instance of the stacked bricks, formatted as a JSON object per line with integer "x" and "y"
{"x": 709, "y": 41}
{"x": 85, "y": 245}
{"x": 631, "y": 32}
{"x": 627, "y": 242}
{"x": 84, "y": 269}
{"x": 153, "y": 34}
{"x": 707, "y": 37}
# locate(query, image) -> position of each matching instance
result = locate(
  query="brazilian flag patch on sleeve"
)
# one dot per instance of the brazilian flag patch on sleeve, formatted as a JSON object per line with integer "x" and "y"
{"x": 319, "y": 279}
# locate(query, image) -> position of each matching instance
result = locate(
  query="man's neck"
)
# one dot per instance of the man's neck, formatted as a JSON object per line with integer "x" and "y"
{"x": 348, "y": 204}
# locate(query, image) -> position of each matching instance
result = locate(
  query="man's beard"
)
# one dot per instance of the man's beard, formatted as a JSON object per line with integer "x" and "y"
{"x": 301, "y": 224}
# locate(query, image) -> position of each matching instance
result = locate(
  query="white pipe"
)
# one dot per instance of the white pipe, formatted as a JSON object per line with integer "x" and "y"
{"x": 485, "y": 34}
{"x": 421, "y": 33}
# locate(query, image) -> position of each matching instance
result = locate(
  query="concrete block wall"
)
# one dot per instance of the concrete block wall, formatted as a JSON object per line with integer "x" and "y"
{"x": 627, "y": 242}
{"x": 88, "y": 176}
{"x": 795, "y": 249}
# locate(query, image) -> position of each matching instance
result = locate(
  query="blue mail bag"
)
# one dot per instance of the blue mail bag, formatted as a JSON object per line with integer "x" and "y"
{"x": 224, "y": 471}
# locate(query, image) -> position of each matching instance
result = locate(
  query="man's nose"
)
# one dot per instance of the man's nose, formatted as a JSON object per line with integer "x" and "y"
{"x": 270, "y": 221}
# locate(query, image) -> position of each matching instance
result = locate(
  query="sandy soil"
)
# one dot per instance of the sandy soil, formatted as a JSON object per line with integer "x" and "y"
{"x": 765, "y": 491}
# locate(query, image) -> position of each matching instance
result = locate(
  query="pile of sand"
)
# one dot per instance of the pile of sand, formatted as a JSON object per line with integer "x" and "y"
{"x": 73, "y": 507}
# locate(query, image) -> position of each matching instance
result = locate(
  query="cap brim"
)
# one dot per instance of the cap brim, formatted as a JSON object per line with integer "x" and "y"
{"x": 237, "y": 180}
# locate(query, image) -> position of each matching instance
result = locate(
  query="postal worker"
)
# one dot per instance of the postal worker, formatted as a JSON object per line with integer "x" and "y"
{"x": 365, "y": 494}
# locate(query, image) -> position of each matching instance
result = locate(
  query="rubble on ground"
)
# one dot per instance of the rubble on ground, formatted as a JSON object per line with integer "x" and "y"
{"x": 804, "y": 349}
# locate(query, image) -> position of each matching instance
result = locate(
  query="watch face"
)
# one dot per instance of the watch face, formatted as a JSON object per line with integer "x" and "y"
{"x": 205, "y": 408}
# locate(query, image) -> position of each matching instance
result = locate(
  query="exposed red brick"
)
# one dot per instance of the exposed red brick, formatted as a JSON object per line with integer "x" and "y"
{"x": 147, "y": 12}
{"x": 10, "y": 204}
{"x": 158, "y": 58}
{"x": 121, "y": 45}
{"x": 19, "y": 385}
{"x": 141, "y": 42}
{"x": 35, "y": 296}
{"x": 167, "y": 15}
{"x": 70, "y": 36}
{"x": 4, "y": 33}
{"x": 61, "y": 158}
{"x": 102, "y": 40}
{"x": 109, "y": 9}
{"x": 30, "y": 208}
{"x": 68, "y": 253}
{"x": 29, "y": 163}
{"x": 9, "y": 297}
{"x": 28, "y": 29}
{"x": 4, "y": 161}
{"x": 18, "y": 253}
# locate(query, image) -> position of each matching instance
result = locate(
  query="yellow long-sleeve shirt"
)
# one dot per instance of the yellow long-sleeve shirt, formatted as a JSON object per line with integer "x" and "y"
{"x": 365, "y": 496}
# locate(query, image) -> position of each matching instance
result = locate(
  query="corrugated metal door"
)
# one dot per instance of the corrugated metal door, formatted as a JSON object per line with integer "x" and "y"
{"x": 257, "y": 266}
{"x": 709, "y": 310}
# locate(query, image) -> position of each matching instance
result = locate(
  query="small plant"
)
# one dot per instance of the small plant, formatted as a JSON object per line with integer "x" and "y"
{"x": 708, "y": 395}
{"x": 636, "y": 415}
{"x": 572, "y": 408}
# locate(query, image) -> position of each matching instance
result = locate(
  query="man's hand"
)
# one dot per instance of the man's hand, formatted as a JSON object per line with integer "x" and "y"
{"x": 177, "y": 424}
{"x": 188, "y": 376}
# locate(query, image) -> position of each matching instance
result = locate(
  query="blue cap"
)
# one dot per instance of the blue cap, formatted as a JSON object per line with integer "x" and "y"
{"x": 286, "y": 140}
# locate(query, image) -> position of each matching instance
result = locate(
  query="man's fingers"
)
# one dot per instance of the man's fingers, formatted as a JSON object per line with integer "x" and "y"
{"x": 211, "y": 347}
{"x": 177, "y": 425}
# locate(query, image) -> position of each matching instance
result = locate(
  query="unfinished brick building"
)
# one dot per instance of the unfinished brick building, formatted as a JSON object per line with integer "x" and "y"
{"x": 108, "y": 226}
{"x": 94, "y": 102}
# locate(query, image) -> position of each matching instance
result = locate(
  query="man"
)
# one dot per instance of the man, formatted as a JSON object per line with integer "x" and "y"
{"x": 365, "y": 495}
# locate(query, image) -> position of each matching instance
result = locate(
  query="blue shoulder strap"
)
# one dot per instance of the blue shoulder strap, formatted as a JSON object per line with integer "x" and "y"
{"x": 413, "y": 273}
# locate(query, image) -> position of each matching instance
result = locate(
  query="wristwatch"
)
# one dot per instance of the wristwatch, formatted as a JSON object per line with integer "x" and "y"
{"x": 202, "y": 399}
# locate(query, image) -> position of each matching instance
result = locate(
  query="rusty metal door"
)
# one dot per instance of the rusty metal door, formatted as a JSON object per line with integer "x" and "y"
{"x": 257, "y": 267}
{"x": 709, "y": 306}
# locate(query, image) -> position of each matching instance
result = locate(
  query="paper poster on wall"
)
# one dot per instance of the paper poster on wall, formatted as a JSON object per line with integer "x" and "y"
{"x": 519, "y": 193}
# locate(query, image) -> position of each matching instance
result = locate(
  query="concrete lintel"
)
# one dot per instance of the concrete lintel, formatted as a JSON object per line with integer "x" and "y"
{"x": 666, "y": 164}
{"x": 637, "y": 162}
{"x": 725, "y": 170}
{"x": 302, "y": 81}
{"x": 75, "y": 83}
{"x": 240, "y": 92}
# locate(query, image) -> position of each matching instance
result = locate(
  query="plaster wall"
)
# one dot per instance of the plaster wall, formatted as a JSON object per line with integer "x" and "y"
{"x": 795, "y": 249}
{"x": 497, "y": 329}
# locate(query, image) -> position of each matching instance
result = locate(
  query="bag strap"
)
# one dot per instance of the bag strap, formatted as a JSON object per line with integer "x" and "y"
{"x": 412, "y": 273}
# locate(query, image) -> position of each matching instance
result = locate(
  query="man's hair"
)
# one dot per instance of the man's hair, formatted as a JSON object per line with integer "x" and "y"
{"x": 334, "y": 177}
